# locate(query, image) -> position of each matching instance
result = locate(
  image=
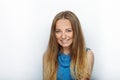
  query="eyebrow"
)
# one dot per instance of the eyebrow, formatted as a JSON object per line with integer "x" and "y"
{"x": 57, "y": 29}
{"x": 67, "y": 28}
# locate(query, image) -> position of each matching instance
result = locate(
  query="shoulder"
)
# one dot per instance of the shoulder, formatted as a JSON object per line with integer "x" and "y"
{"x": 90, "y": 54}
{"x": 44, "y": 57}
{"x": 90, "y": 58}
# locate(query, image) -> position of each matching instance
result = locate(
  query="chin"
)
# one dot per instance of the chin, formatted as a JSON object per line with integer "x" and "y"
{"x": 65, "y": 46}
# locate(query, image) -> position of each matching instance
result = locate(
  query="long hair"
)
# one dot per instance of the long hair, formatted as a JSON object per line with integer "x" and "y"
{"x": 78, "y": 65}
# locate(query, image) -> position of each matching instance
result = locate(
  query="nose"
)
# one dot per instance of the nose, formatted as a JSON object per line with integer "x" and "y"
{"x": 63, "y": 35}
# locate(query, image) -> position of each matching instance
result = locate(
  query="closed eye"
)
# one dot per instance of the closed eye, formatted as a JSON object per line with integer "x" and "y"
{"x": 57, "y": 31}
{"x": 69, "y": 30}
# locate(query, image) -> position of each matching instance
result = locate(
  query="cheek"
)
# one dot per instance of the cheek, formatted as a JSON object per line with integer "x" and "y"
{"x": 57, "y": 37}
{"x": 71, "y": 35}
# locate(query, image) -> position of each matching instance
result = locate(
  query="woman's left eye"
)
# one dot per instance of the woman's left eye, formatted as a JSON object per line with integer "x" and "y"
{"x": 69, "y": 30}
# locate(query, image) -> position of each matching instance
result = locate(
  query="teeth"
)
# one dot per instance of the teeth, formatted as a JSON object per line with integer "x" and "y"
{"x": 65, "y": 41}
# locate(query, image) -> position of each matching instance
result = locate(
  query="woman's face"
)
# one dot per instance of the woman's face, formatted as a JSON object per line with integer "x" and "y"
{"x": 64, "y": 33}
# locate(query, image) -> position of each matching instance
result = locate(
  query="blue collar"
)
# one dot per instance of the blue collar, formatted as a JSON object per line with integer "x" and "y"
{"x": 63, "y": 59}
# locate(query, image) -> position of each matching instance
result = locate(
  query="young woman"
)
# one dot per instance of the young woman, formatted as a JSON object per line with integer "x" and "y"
{"x": 67, "y": 57}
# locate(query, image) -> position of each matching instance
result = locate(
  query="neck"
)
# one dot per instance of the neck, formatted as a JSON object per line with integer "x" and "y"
{"x": 65, "y": 50}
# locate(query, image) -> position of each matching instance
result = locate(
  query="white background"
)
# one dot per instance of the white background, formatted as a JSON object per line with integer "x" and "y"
{"x": 25, "y": 27}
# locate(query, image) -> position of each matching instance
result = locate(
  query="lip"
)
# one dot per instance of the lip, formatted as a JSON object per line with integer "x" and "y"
{"x": 64, "y": 41}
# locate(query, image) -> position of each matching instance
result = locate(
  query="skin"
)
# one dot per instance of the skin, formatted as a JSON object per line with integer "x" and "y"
{"x": 64, "y": 34}
{"x": 90, "y": 58}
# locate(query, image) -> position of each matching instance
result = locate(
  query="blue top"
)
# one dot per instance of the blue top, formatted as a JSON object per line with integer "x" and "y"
{"x": 63, "y": 72}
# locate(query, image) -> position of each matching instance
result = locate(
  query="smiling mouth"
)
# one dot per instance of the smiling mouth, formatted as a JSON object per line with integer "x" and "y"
{"x": 64, "y": 41}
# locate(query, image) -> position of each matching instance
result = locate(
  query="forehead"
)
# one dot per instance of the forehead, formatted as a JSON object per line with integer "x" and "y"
{"x": 63, "y": 23}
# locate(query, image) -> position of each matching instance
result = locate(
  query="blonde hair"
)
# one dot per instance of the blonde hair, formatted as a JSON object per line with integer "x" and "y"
{"x": 78, "y": 65}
